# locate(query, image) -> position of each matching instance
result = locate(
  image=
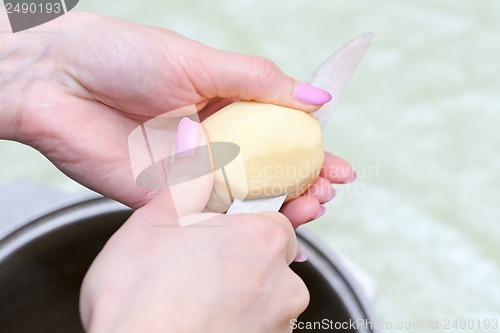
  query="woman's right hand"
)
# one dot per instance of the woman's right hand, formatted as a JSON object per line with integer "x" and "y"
{"x": 229, "y": 273}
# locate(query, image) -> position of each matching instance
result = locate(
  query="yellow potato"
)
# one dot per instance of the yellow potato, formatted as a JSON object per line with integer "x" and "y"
{"x": 281, "y": 152}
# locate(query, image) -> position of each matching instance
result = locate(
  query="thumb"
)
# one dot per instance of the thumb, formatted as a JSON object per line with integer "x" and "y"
{"x": 190, "y": 176}
{"x": 246, "y": 77}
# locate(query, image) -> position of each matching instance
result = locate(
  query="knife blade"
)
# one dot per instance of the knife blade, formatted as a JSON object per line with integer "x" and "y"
{"x": 333, "y": 75}
{"x": 336, "y": 71}
{"x": 257, "y": 205}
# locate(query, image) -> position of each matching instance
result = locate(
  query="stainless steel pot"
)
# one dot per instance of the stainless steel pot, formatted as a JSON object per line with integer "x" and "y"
{"x": 44, "y": 256}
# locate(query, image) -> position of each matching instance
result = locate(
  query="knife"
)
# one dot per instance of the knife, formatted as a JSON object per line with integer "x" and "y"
{"x": 332, "y": 75}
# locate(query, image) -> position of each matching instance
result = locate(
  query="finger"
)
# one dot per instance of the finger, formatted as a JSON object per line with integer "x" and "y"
{"x": 337, "y": 170}
{"x": 300, "y": 256}
{"x": 302, "y": 210}
{"x": 189, "y": 178}
{"x": 232, "y": 75}
{"x": 322, "y": 190}
{"x": 292, "y": 243}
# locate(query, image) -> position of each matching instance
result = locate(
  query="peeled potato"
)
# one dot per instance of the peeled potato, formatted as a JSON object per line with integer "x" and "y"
{"x": 281, "y": 152}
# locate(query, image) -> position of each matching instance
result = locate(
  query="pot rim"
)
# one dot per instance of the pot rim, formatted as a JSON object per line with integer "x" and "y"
{"x": 72, "y": 210}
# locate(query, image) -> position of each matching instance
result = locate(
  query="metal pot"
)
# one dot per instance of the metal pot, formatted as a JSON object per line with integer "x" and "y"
{"x": 43, "y": 259}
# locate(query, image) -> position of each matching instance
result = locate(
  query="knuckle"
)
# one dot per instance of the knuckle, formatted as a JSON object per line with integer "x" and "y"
{"x": 264, "y": 70}
{"x": 277, "y": 235}
{"x": 267, "y": 70}
{"x": 269, "y": 231}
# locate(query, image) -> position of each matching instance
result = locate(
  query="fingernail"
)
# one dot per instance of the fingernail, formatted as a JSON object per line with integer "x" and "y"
{"x": 322, "y": 211}
{"x": 186, "y": 137}
{"x": 311, "y": 95}
{"x": 301, "y": 257}
{"x": 353, "y": 178}
{"x": 332, "y": 195}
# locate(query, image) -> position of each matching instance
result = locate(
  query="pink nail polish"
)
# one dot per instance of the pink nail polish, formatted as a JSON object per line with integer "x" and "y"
{"x": 332, "y": 195}
{"x": 322, "y": 211}
{"x": 186, "y": 137}
{"x": 311, "y": 95}
{"x": 353, "y": 178}
{"x": 301, "y": 257}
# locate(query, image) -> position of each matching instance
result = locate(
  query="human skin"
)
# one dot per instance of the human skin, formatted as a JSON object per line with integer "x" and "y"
{"x": 225, "y": 274}
{"x": 74, "y": 88}
{"x": 217, "y": 273}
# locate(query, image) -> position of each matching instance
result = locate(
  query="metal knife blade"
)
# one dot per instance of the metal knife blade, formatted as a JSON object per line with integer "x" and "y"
{"x": 332, "y": 75}
{"x": 256, "y": 206}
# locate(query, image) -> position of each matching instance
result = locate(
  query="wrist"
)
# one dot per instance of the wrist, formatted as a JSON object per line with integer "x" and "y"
{"x": 23, "y": 63}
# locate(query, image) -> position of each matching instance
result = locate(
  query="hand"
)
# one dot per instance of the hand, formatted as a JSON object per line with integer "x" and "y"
{"x": 228, "y": 273}
{"x": 77, "y": 92}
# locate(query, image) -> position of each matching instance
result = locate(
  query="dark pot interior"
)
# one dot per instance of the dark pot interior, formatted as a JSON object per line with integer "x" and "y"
{"x": 43, "y": 262}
